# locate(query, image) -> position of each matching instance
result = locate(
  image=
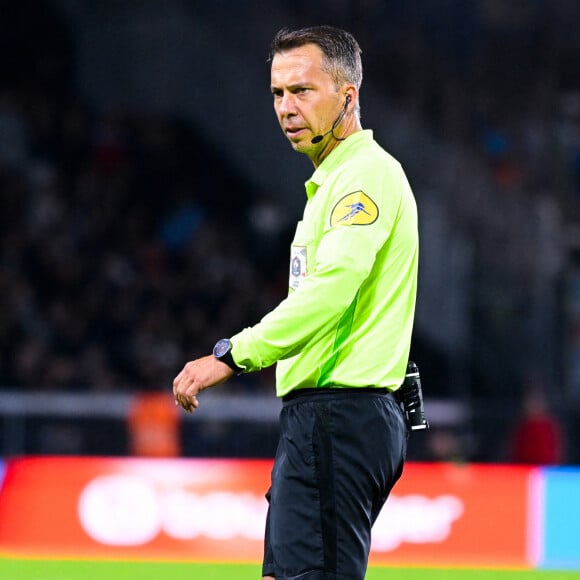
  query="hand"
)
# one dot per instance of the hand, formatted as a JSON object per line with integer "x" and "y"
{"x": 196, "y": 376}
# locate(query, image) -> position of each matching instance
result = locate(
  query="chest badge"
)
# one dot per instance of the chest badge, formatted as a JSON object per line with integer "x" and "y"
{"x": 354, "y": 209}
{"x": 298, "y": 265}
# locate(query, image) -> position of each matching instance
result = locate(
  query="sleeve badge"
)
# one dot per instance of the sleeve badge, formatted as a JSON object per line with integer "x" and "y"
{"x": 354, "y": 209}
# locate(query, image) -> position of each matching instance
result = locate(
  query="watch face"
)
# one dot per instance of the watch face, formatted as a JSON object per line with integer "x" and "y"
{"x": 222, "y": 347}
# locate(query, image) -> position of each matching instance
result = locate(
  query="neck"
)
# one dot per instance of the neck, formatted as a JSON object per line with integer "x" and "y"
{"x": 349, "y": 126}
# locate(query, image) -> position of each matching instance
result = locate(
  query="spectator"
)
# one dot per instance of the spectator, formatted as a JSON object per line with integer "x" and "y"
{"x": 537, "y": 438}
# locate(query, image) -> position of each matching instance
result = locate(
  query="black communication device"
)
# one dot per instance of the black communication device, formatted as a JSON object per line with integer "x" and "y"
{"x": 410, "y": 396}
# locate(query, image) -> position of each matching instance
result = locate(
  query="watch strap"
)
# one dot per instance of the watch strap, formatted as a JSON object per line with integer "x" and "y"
{"x": 223, "y": 352}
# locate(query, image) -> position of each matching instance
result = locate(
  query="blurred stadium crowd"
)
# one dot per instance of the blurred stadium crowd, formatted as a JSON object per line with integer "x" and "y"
{"x": 117, "y": 259}
{"x": 127, "y": 244}
{"x": 115, "y": 266}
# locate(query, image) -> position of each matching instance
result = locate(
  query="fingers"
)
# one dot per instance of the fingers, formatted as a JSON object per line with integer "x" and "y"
{"x": 185, "y": 390}
{"x": 188, "y": 402}
{"x": 190, "y": 405}
{"x": 196, "y": 376}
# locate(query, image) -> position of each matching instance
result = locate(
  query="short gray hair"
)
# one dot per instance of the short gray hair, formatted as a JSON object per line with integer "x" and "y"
{"x": 341, "y": 52}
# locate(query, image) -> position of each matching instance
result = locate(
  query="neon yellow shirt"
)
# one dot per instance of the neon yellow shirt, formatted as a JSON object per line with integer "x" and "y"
{"x": 348, "y": 317}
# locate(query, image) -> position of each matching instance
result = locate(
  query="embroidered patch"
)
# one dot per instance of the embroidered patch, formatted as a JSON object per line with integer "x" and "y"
{"x": 354, "y": 209}
{"x": 298, "y": 266}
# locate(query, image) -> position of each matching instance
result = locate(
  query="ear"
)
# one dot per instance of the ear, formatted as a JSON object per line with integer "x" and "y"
{"x": 350, "y": 94}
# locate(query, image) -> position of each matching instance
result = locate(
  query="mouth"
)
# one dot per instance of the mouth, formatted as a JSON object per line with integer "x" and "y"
{"x": 294, "y": 132}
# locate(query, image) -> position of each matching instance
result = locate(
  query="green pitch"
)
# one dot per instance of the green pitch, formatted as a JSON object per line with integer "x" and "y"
{"x": 12, "y": 569}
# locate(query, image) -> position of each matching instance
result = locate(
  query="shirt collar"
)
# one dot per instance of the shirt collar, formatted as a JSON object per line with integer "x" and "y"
{"x": 335, "y": 158}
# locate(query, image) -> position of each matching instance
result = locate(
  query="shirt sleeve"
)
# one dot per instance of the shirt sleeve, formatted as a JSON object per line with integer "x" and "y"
{"x": 344, "y": 258}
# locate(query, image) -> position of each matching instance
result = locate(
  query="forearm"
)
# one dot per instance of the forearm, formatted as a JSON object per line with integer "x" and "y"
{"x": 311, "y": 311}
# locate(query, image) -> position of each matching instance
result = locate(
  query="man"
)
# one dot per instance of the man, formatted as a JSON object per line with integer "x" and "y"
{"x": 342, "y": 336}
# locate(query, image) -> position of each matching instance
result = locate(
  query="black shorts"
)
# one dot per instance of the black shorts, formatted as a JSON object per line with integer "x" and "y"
{"x": 339, "y": 455}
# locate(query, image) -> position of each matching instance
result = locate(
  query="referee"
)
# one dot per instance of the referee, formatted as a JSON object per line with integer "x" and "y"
{"x": 342, "y": 336}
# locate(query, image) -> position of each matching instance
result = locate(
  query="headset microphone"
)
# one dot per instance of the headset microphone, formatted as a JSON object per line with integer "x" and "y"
{"x": 318, "y": 138}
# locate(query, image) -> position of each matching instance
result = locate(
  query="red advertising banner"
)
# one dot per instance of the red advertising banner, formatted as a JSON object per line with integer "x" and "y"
{"x": 465, "y": 515}
{"x": 214, "y": 510}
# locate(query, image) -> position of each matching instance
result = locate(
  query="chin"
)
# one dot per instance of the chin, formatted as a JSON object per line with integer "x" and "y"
{"x": 300, "y": 146}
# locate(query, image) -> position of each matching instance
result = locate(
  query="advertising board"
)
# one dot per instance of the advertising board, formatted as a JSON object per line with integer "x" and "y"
{"x": 207, "y": 510}
{"x": 559, "y": 547}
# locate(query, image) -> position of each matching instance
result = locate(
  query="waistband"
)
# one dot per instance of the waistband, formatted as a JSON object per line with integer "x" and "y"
{"x": 330, "y": 392}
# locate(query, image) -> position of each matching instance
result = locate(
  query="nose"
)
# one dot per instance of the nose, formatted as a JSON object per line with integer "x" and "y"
{"x": 286, "y": 104}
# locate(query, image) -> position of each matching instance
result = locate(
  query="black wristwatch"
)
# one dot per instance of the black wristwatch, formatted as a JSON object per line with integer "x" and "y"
{"x": 223, "y": 352}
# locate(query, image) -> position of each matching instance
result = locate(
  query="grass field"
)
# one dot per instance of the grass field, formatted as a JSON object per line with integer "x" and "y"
{"x": 13, "y": 569}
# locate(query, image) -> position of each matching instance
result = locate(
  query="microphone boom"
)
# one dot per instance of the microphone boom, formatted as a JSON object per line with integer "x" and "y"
{"x": 318, "y": 138}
